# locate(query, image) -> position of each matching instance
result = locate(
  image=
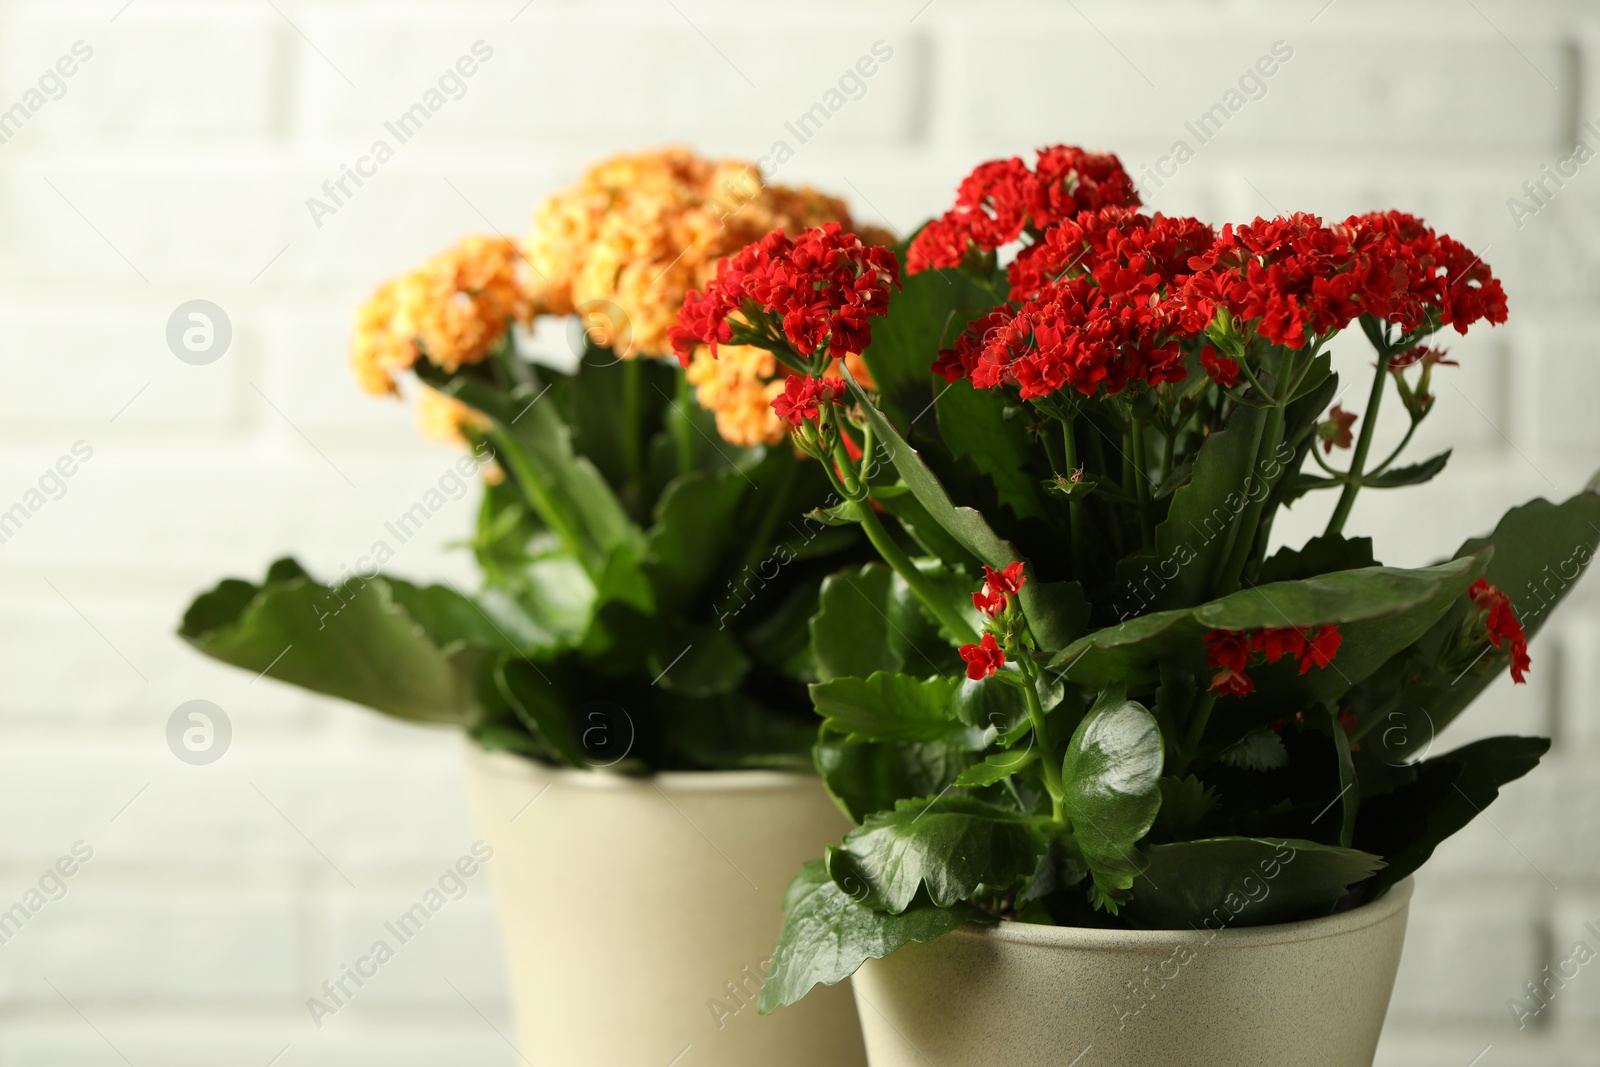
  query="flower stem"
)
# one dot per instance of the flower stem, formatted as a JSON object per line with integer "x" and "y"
{"x": 1049, "y": 760}
{"x": 842, "y": 473}
{"x": 1358, "y": 459}
{"x": 1075, "y": 510}
{"x": 632, "y": 435}
{"x": 683, "y": 429}
{"x": 1197, "y": 729}
{"x": 1141, "y": 484}
{"x": 1250, "y": 520}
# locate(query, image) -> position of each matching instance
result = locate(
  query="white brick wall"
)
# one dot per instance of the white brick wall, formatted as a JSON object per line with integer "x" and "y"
{"x": 176, "y": 165}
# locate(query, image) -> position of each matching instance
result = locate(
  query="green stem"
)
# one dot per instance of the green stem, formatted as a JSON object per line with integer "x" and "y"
{"x": 845, "y": 480}
{"x": 683, "y": 428}
{"x": 1358, "y": 460}
{"x": 1196, "y": 731}
{"x": 1250, "y": 520}
{"x": 632, "y": 432}
{"x": 1075, "y": 509}
{"x": 1399, "y": 448}
{"x": 1141, "y": 483}
{"x": 1048, "y": 759}
{"x": 536, "y": 494}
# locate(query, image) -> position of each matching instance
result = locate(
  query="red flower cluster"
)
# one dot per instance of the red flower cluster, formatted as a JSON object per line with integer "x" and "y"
{"x": 802, "y": 397}
{"x": 1500, "y": 619}
{"x": 822, "y": 287}
{"x": 983, "y": 658}
{"x": 1002, "y": 198}
{"x": 1416, "y": 273}
{"x": 1298, "y": 279}
{"x": 997, "y": 586}
{"x": 1231, "y": 652}
{"x": 1094, "y": 303}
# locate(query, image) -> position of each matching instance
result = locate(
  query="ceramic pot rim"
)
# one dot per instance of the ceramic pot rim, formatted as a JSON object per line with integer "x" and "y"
{"x": 508, "y": 765}
{"x": 1077, "y": 938}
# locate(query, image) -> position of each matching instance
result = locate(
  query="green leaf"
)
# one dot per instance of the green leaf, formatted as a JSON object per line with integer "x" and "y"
{"x": 868, "y": 776}
{"x": 360, "y": 642}
{"x": 1349, "y": 787}
{"x": 564, "y": 487}
{"x": 1258, "y": 750}
{"x": 1196, "y": 535}
{"x": 893, "y": 707}
{"x": 826, "y": 936}
{"x": 952, "y": 845}
{"x": 1447, "y": 792}
{"x": 849, "y": 636}
{"x": 699, "y": 661}
{"x": 1227, "y": 882}
{"x": 541, "y": 706}
{"x": 997, "y": 768}
{"x": 1320, "y": 555}
{"x": 990, "y": 702}
{"x": 1056, "y": 612}
{"x": 1379, "y": 609}
{"x": 1540, "y": 551}
{"x": 1111, "y": 776}
{"x": 693, "y": 534}
{"x": 1415, "y": 474}
{"x": 927, "y": 309}
{"x": 1184, "y": 803}
{"x": 975, "y": 423}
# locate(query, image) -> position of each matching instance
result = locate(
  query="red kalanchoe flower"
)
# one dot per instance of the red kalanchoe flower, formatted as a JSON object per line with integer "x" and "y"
{"x": 983, "y": 658}
{"x": 802, "y": 397}
{"x": 1320, "y": 649}
{"x": 1232, "y": 683}
{"x": 1275, "y": 643}
{"x": 1234, "y": 651}
{"x": 1230, "y": 649}
{"x": 1335, "y": 433}
{"x": 1411, "y": 275}
{"x": 1002, "y": 198}
{"x": 1096, "y": 303}
{"x": 823, "y": 287}
{"x": 1500, "y": 619}
{"x": 997, "y": 587}
{"x": 1220, "y": 369}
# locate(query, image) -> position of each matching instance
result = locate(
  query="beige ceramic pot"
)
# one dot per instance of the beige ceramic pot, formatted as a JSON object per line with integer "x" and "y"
{"x": 639, "y": 914}
{"x": 1311, "y": 993}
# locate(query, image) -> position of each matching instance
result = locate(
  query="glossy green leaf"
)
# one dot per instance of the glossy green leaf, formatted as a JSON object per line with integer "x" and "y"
{"x": 849, "y": 633}
{"x": 893, "y": 707}
{"x": 1111, "y": 776}
{"x": 359, "y": 642}
{"x": 826, "y": 936}
{"x": 868, "y": 776}
{"x": 1230, "y": 882}
{"x": 1414, "y": 474}
{"x": 952, "y": 845}
{"x": 1445, "y": 793}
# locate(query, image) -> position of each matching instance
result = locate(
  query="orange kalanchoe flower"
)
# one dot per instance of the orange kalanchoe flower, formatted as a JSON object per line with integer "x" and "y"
{"x": 739, "y": 385}
{"x": 449, "y": 311}
{"x": 637, "y": 232}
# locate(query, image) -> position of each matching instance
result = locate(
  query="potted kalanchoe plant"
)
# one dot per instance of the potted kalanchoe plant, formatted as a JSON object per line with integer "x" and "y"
{"x": 633, "y": 668}
{"x": 1124, "y": 776}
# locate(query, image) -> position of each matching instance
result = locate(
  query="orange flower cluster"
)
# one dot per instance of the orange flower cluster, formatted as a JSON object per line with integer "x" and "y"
{"x": 638, "y": 232}
{"x": 449, "y": 311}
{"x": 620, "y": 248}
{"x": 739, "y": 385}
